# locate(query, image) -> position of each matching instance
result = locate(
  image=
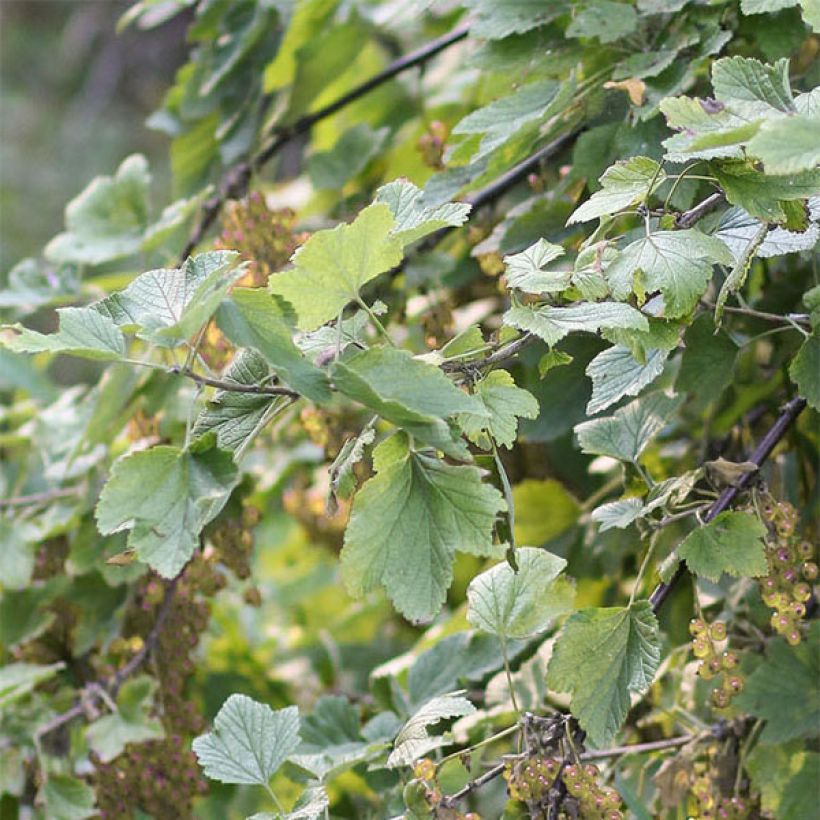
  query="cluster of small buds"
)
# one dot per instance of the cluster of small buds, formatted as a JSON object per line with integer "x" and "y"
{"x": 431, "y": 144}
{"x": 792, "y": 570}
{"x": 712, "y": 806}
{"x": 595, "y": 802}
{"x": 716, "y": 661}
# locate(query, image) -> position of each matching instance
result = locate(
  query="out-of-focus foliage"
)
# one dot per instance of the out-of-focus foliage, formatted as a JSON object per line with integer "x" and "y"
{"x": 428, "y": 476}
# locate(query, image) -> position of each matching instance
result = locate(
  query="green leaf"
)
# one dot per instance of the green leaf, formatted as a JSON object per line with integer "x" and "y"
{"x": 762, "y": 195}
{"x": 525, "y": 270}
{"x": 737, "y": 228}
{"x": 530, "y": 498}
{"x": 676, "y": 263}
{"x": 348, "y": 157}
{"x": 786, "y": 777}
{"x": 413, "y": 218}
{"x": 131, "y": 723}
{"x": 495, "y": 19}
{"x": 18, "y": 679}
{"x": 108, "y": 219}
{"x": 331, "y": 739}
{"x": 604, "y": 20}
{"x": 520, "y": 604}
{"x": 234, "y": 416}
{"x": 785, "y": 689}
{"x": 805, "y": 370}
{"x": 165, "y": 496}
{"x": 554, "y": 323}
{"x": 67, "y": 798}
{"x": 552, "y": 358}
{"x": 249, "y": 741}
{"x": 737, "y": 275}
{"x": 504, "y": 403}
{"x": 168, "y": 305}
{"x": 331, "y": 267}
{"x": 600, "y": 657}
{"x": 617, "y": 514}
{"x": 505, "y": 117}
{"x": 252, "y": 318}
{"x": 413, "y": 741}
{"x": 788, "y": 145}
{"x": 409, "y": 393}
{"x": 18, "y": 542}
{"x": 752, "y": 89}
{"x": 616, "y": 373}
{"x": 408, "y": 521}
{"x": 342, "y": 477}
{"x": 708, "y": 361}
{"x": 731, "y": 543}
{"x": 83, "y": 332}
{"x": 623, "y": 184}
{"x": 626, "y": 434}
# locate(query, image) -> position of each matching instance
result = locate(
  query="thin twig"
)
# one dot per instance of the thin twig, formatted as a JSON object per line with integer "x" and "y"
{"x": 234, "y": 387}
{"x": 639, "y": 748}
{"x": 237, "y": 178}
{"x": 474, "y": 785}
{"x": 763, "y": 450}
{"x": 38, "y": 498}
{"x": 107, "y": 689}
{"x": 789, "y": 318}
{"x": 688, "y": 218}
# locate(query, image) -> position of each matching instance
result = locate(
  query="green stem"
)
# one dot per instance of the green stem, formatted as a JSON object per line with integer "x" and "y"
{"x": 643, "y": 474}
{"x": 508, "y": 673}
{"x": 680, "y": 176}
{"x": 644, "y": 564}
{"x": 375, "y": 319}
{"x": 275, "y": 799}
{"x": 486, "y": 742}
{"x": 508, "y": 498}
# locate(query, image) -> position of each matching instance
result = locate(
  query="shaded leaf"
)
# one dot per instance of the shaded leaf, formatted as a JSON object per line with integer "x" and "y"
{"x": 805, "y": 370}
{"x": 67, "y": 798}
{"x": 165, "y": 496}
{"x": 17, "y": 679}
{"x": 616, "y": 373}
{"x": 525, "y": 270}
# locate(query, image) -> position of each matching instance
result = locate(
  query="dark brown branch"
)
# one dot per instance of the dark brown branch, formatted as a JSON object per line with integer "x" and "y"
{"x": 688, "y": 218}
{"x": 763, "y": 450}
{"x": 237, "y": 179}
{"x": 235, "y": 387}
{"x": 92, "y": 693}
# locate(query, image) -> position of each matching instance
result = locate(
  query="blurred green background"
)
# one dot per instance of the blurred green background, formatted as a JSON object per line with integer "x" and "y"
{"x": 74, "y": 96}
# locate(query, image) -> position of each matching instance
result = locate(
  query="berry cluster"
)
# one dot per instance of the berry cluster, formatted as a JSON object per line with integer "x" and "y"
{"x": 709, "y": 646}
{"x": 710, "y": 805}
{"x": 431, "y": 144}
{"x": 531, "y": 779}
{"x": 232, "y": 540}
{"x": 264, "y": 236}
{"x": 792, "y": 570}
{"x": 308, "y": 505}
{"x": 595, "y": 802}
{"x": 422, "y": 794}
{"x": 160, "y": 778}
